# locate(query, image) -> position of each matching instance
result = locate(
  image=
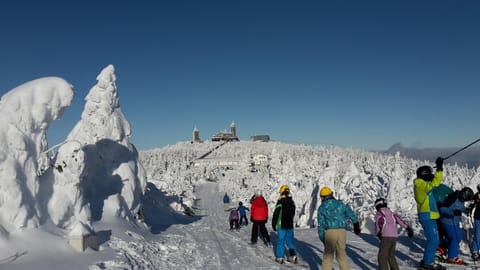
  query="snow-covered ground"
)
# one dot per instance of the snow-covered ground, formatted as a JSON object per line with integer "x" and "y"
{"x": 162, "y": 208}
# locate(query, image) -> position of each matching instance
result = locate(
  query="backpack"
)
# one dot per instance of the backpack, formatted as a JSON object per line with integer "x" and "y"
{"x": 440, "y": 193}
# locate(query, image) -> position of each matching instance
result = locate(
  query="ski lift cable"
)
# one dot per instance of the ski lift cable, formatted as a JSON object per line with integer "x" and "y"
{"x": 465, "y": 147}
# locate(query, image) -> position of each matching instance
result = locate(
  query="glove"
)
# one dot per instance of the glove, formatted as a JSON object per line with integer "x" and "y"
{"x": 379, "y": 235}
{"x": 409, "y": 232}
{"x": 439, "y": 164}
{"x": 356, "y": 228}
{"x": 457, "y": 212}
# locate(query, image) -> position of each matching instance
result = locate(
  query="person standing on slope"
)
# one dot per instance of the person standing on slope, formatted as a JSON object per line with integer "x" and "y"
{"x": 450, "y": 217}
{"x": 242, "y": 210}
{"x": 226, "y": 202}
{"x": 282, "y": 223}
{"x": 332, "y": 220}
{"x": 476, "y": 218}
{"x": 427, "y": 210}
{"x": 259, "y": 217}
{"x": 386, "y": 229}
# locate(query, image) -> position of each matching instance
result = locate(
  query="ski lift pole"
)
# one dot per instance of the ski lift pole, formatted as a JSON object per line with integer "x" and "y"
{"x": 465, "y": 147}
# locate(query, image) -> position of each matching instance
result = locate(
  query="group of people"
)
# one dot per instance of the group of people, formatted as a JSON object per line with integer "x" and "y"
{"x": 282, "y": 222}
{"x": 439, "y": 211}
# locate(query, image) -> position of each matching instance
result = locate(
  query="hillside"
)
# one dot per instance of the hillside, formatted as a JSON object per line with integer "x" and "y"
{"x": 357, "y": 177}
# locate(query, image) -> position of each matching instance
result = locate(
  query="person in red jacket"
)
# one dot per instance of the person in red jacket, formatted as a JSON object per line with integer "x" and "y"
{"x": 259, "y": 217}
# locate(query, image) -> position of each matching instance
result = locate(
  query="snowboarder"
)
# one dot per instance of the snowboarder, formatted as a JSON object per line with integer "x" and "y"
{"x": 332, "y": 222}
{"x": 450, "y": 217}
{"x": 259, "y": 216}
{"x": 386, "y": 230}
{"x": 226, "y": 202}
{"x": 282, "y": 223}
{"x": 242, "y": 209}
{"x": 476, "y": 217}
{"x": 427, "y": 210}
{"x": 233, "y": 218}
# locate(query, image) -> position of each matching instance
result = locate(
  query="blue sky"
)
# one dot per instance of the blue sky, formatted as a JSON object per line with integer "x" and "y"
{"x": 362, "y": 74}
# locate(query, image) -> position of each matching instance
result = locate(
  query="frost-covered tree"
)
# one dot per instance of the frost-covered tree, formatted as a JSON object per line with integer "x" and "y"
{"x": 111, "y": 161}
{"x": 25, "y": 114}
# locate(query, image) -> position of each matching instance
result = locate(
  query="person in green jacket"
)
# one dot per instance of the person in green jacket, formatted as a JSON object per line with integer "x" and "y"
{"x": 428, "y": 211}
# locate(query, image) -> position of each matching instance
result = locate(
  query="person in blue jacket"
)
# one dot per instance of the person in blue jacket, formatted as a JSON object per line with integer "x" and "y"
{"x": 242, "y": 209}
{"x": 226, "y": 202}
{"x": 450, "y": 217}
{"x": 332, "y": 220}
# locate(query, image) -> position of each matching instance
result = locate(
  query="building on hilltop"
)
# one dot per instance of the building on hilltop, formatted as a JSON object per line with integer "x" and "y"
{"x": 196, "y": 136}
{"x": 261, "y": 138}
{"x": 225, "y": 135}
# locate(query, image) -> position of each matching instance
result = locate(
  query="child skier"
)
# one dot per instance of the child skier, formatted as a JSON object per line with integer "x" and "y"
{"x": 386, "y": 229}
{"x": 450, "y": 217}
{"x": 243, "y": 213}
{"x": 233, "y": 218}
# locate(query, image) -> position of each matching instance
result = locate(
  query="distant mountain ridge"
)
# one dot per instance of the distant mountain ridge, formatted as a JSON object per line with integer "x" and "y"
{"x": 468, "y": 157}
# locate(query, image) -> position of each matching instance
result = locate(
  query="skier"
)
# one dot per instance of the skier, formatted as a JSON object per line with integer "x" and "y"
{"x": 440, "y": 193}
{"x": 386, "y": 229}
{"x": 226, "y": 202}
{"x": 428, "y": 211}
{"x": 282, "y": 223}
{"x": 450, "y": 216}
{"x": 332, "y": 221}
{"x": 476, "y": 217}
{"x": 259, "y": 216}
{"x": 233, "y": 218}
{"x": 243, "y": 213}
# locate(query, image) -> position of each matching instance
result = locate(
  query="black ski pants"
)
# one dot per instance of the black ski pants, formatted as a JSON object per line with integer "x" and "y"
{"x": 259, "y": 225}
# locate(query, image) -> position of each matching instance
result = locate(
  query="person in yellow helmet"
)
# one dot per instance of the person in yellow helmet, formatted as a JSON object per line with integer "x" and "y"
{"x": 282, "y": 223}
{"x": 427, "y": 210}
{"x": 332, "y": 220}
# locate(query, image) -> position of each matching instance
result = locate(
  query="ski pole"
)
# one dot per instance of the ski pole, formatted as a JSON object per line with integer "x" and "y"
{"x": 461, "y": 149}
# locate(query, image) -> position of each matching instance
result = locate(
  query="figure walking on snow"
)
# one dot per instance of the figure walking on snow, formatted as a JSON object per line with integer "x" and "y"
{"x": 243, "y": 213}
{"x": 226, "y": 202}
{"x": 427, "y": 210}
{"x": 259, "y": 216}
{"x": 282, "y": 222}
{"x": 386, "y": 229}
{"x": 332, "y": 220}
{"x": 233, "y": 218}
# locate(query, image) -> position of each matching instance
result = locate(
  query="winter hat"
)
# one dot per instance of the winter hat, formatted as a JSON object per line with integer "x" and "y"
{"x": 240, "y": 203}
{"x": 284, "y": 188}
{"x": 325, "y": 191}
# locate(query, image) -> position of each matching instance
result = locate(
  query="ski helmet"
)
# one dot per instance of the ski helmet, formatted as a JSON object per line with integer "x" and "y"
{"x": 284, "y": 188}
{"x": 466, "y": 194}
{"x": 240, "y": 203}
{"x": 325, "y": 191}
{"x": 380, "y": 203}
{"x": 425, "y": 173}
